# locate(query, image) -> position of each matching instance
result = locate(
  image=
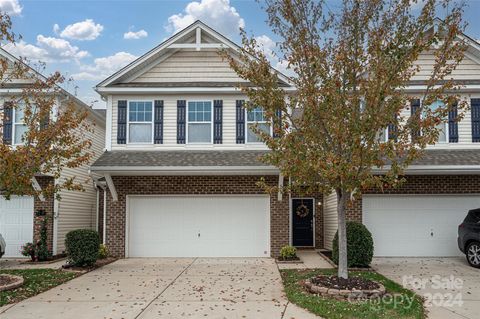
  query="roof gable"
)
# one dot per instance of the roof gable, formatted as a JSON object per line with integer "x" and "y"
{"x": 196, "y": 39}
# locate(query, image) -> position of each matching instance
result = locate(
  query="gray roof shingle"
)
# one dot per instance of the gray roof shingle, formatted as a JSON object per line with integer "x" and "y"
{"x": 251, "y": 158}
{"x": 180, "y": 158}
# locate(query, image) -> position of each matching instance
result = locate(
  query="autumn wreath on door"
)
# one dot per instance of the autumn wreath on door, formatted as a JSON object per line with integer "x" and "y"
{"x": 302, "y": 210}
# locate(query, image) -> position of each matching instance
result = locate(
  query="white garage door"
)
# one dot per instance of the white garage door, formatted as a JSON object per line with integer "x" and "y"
{"x": 416, "y": 225}
{"x": 16, "y": 223}
{"x": 198, "y": 226}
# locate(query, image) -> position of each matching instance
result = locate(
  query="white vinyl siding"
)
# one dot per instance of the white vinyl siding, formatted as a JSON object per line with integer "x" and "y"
{"x": 330, "y": 220}
{"x": 466, "y": 70}
{"x": 170, "y": 121}
{"x": 78, "y": 209}
{"x": 190, "y": 66}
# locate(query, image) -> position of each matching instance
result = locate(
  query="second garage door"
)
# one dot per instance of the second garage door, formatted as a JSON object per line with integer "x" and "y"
{"x": 420, "y": 226}
{"x": 16, "y": 223}
{"x": 198, "y": 226}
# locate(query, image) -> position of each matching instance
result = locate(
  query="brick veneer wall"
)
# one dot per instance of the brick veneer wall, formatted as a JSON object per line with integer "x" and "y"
{"x": 151, "y": 185}
{"x": 423, "y": 185}
{"x": 47, "y": 206}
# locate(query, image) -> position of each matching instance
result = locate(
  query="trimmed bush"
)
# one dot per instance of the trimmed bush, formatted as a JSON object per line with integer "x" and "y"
{"x": 359, "y": 245}
{"x": 288, "y": 252}
{"x": 103, "y": 252}
{"x": 82, "y": 246}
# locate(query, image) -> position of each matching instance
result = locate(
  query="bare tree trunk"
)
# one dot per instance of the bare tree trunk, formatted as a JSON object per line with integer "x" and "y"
{"x": 342, "y": 234}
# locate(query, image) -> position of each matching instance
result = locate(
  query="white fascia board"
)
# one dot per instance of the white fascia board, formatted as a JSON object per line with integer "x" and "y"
{"x": 435, "y": 169}
{"x": 133, "y": 90}
{"x": 186, "y": 170}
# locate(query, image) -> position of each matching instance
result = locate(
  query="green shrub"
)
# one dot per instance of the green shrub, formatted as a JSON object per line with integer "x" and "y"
{"x": 359, "y": 245}
{"x": 82, "y": 246}
{"x": 288, "y": 252}
{"x": 103, "y": 252}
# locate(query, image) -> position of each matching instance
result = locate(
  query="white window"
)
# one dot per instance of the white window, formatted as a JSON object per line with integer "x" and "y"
{"x": 140, "y": 126}
{"x": 199, "y": 122}
{"x": 256, "y": 117}
{"x": 19, "y": 127}
{"x": 442, "y": 127}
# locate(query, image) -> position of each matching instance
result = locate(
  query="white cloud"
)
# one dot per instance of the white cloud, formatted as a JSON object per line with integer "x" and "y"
{"x": 56, "y": 28}
{"x": 47, "y": 49}
{"x": 85, "y": 30}
{"x": 218, "y": 14}
{"x": 269, "y": 47}
{"x": 131, "y": 35}
{"x": 12, "y": 7}
{"x": 104, "y": 67}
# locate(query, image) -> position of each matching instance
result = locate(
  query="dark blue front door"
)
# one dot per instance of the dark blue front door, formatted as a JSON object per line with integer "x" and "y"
{"x": 302, "y": 222}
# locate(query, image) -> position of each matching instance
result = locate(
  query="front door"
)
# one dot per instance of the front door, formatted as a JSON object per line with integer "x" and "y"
{"x": 302, "y": 222}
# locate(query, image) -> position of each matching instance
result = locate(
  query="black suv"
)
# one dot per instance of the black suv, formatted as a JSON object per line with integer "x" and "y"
{"x": 469, "y": 237}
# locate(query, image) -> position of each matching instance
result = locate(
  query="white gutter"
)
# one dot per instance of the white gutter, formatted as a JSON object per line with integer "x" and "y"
{"x": 186, "y": 170}
{"x": 434, "y": 169}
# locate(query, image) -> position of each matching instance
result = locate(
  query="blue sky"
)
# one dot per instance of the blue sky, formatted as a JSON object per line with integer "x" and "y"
{"x": 89, "y": 40}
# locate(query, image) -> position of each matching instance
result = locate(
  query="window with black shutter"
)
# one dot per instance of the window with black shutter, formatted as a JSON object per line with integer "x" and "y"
{"x": 475, "y": 111}
{"x": 122, "y": 122}
{"x": 158, "y": 122}
{"x": 217, "y": 121}
{"x": 240, "y": 122}
{"x": 181, "y": 106}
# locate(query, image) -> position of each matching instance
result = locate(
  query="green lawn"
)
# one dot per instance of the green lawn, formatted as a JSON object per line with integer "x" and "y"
{"x": 331, "y": 308}
{"x": 36, "y": 281}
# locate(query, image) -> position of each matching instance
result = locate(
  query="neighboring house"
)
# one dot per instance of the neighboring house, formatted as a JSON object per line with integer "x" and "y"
{"x": 21, "y": 216}
{"x": 182, "y": 167}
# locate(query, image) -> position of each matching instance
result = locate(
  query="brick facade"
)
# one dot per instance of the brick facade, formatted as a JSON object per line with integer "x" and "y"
{"x": 423, "y": 185}
{"x": 48, "y": 206}
{"x": 221, "y": 185}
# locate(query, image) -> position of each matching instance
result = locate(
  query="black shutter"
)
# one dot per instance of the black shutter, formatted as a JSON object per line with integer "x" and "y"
{"x": 181, "y": 106}
{"x": 217, "y": 121}
{"x": 122, "y": 122}
{"x": 475, "y": 110}
{"x": 7, "y": 123}
{"x": 277, "y": 125}
{"x": 453, "y": 124}
{"x": 392, "y": 130}
{"x": 240, "y": 121}
{"x": 414, "y": 107}
{"x": 45, "y": 121}
{"x": 158, "y": 122}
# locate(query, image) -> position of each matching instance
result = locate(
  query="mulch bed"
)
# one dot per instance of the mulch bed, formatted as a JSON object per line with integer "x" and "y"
{"x": 289, "y": 259}
{"x": 98, "y": 264}
{"x": 345, "y": 284}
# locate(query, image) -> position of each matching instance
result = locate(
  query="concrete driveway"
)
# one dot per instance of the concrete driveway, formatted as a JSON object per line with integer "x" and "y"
{"x": 167, "y": 288}
{"x": 451, "y": 287}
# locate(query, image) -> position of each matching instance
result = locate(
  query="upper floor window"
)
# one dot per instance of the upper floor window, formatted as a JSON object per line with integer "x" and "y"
{"x": 19, "y": 126}
{"x": 442, "y": 127}
{"x": 140, "y": 125}
{"x": 257, "y": 117}
{"x": 199, "y": 122}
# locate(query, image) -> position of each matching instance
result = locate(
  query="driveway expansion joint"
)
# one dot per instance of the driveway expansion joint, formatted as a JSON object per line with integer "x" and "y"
{"x": 168, "y": 286}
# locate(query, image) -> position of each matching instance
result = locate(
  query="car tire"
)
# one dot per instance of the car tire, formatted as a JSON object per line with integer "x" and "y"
{"x": 473, "y": 254}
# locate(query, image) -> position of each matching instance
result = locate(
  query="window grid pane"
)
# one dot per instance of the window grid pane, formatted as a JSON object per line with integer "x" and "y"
{"x": 200, "y": 122}
{"x": 140, "y": 111}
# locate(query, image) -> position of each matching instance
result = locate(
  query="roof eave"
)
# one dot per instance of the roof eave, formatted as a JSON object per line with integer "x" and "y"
{"x": 435, "y": 170}
{"x": 185, "y": 170}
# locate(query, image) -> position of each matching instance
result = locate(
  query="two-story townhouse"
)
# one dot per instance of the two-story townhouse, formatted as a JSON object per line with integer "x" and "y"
{"x": 21, "y": 216}
{"x": 182, "y": 166}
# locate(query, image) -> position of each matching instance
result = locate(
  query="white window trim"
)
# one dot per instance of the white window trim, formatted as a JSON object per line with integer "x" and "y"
{"x": 255, "y": 122}
{"x": 188, "y": 122}
{"x": 145, "y": 122}
{"x": 14, "y": 125}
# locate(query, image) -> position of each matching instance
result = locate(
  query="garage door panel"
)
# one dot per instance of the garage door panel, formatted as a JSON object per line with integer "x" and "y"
{"x": 416, "y": 225}
{"x": 16, "y": 223}
{"x": 188, "y": 226}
